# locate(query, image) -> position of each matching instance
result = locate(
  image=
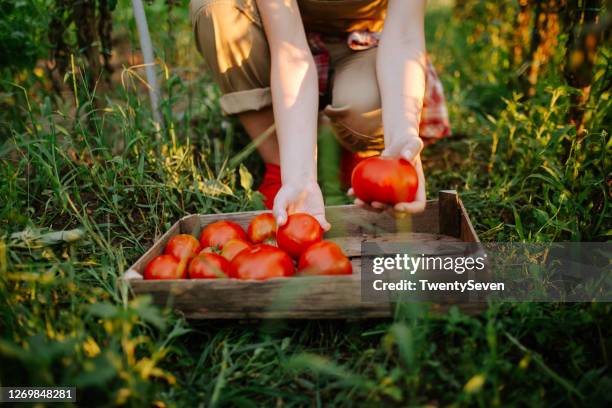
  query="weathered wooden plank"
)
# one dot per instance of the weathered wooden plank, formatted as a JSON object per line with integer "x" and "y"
{"x": 454, "y": 219}
{"x": 468, "y": 233}
{"x": 449, "y": 220}
{"x": 351, "y": 245}
{"x": 299, "y": 297}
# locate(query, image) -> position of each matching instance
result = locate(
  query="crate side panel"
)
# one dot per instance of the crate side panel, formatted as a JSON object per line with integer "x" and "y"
{"x": 288, "y": 298}
{"x": 350, "y": 220}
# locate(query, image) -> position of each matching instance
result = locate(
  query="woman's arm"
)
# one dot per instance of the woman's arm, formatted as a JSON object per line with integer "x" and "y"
{"x": 295, "y": 100}
{"x": 400, "y": 68}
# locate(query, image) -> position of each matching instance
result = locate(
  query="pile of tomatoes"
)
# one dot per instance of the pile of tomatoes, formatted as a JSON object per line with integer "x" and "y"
{"x": 224, "y": 250}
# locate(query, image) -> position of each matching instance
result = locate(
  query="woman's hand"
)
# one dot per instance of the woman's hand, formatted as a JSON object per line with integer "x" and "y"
{"x": 296, "y": 197}
{"x": 410, "y": 150}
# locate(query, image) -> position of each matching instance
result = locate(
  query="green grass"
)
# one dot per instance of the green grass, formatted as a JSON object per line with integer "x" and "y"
{"x": 66, "y": 319}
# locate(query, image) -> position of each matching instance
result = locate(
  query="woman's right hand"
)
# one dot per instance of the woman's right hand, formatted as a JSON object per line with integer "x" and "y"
{"x": 295, "y": 197}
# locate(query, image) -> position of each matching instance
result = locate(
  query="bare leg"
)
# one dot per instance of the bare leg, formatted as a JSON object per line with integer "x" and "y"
{"x": 257, "y": 122}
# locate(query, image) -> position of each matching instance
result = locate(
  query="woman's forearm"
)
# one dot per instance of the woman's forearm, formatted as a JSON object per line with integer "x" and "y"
{"x": 293, "y": 80}
{"x": 400, "y": 69}
{"x": 295, "y": 100}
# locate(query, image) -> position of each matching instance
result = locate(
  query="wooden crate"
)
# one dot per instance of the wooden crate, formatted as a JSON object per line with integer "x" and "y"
{"x": 305, "y": 297}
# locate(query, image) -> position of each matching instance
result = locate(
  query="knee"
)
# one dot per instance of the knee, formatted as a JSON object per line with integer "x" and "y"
{"x": 355, "y": 113}
{"x": 229, "y": 36}
{"x": 358, "y": 124}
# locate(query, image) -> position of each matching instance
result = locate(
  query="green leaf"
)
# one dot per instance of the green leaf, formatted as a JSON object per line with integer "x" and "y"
{"x": 518, "y": 224}
{"x": 405, "y": 342}
{"x": 148, "y": 312}
{"x": 104, "y": 310}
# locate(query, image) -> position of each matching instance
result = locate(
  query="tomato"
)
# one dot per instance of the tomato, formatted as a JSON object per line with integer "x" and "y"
{"x": 324, "y": 258}
{"x": 165, "y": 267}
{"x": 299, "y": 232}
{"x": 261, "y": 262}
{"x": 182, "y": 246}
{"x": 208, "y": 250}
{"x": 208, "y": 266}
{"x": 218, "y": 233}
{"x": 388, "y": 181}
{"x": 262, "y": 228}
{"x": 233, "y": 247}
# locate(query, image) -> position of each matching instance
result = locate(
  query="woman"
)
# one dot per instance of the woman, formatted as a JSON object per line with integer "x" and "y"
{"x": 260, "y": 53}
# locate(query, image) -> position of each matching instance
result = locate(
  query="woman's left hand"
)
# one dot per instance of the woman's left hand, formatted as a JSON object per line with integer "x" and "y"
{"x": 409, "y": 150}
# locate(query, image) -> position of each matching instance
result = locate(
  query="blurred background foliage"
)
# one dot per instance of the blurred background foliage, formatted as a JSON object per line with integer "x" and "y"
{"x": 528, "y": 87}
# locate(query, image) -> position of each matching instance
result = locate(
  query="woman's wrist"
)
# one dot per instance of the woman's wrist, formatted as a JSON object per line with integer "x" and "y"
{"x": 401, "y": 134}
{"x": 298, "y": 177}
{"x": 299, "y": 164}
{"x": 395, "y": 142}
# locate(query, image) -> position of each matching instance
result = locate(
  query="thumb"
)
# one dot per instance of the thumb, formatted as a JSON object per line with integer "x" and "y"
{"x": 280, "y": 210}
{"x": 324, "y": 224}
{"x": 412, "y": 149}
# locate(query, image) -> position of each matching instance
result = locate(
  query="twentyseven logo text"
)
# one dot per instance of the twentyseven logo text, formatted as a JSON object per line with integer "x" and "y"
{"x": 404, "y": 263}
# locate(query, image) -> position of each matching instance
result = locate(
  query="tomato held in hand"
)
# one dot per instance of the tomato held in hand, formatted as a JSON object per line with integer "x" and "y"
{"x": 208, "y": 266}
{"x": 218, "y": 233}
{"x": 324, "y": 258}
{"x": 299, "y": 232}
{"x": 182, "y": 246}
{"x": 385, "y": 180}
{"x": 261, "y": 262}
{"x": 233, "y": 247}
{"x": 165, "y": 267}
{"x": 262, "y": 228}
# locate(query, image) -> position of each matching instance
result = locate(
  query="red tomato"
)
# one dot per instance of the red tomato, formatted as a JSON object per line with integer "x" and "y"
{"x": 182, "y": 246}
{"x": 388, "y": 181}
{"x": 208, "y": 266}
{"x": 262, "y": 228}
{"x": 208, "y": 250}
{"x": 218, "y": 233}
{"x": 324, "y": 258}
{"x": 299, "y": 232}
{"x": 261, "y": 262}
{"x": 165, "y": 267}
{"x": 233, "y": 248}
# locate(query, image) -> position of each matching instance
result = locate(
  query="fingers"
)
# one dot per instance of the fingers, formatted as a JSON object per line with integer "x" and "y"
{"x": 378, "y": 205}
{"x": 413, "y": 207}
{"x": 419, "y": 203}
{"x": 280, "y": 209}
{"x": 362, "y": 204}
{"x": 374, "y": 206}
{"x": 324, "y": 224}
{"x": 421, "y": 194}
{"x": 289, "y": 201}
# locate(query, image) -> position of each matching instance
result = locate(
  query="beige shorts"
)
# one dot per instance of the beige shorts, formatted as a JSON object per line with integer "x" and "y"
{"x": 230, "y": 36}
